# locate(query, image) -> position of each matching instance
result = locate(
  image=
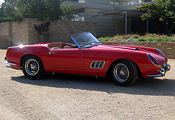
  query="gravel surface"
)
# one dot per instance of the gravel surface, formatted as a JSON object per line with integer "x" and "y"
{"x": 70, "y": 97}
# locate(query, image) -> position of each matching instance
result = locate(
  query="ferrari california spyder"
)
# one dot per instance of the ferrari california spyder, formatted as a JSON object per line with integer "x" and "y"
{"x": 88, "y": 56}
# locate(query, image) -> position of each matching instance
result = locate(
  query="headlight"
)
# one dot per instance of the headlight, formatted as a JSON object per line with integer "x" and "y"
{"x": 153, "y": 60}
{"x": 160, "y": 52}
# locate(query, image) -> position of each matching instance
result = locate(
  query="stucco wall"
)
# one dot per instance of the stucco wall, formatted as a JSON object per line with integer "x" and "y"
{"x": 167, "y": 48}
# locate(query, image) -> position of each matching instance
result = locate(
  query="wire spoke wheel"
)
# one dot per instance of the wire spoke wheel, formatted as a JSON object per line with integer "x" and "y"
{"x": 32, "y": 67}
{"x": 121, "y": 72}
{"x": 124, "y": 72}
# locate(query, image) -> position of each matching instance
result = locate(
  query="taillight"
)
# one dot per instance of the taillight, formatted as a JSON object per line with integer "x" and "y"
{"x": 153, "y": 60}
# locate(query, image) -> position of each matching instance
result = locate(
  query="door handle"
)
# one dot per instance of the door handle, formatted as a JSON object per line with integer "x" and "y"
{"x": 51, "y": 53}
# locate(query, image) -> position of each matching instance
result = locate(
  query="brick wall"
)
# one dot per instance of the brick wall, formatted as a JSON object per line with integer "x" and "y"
{"x": 5, "y": 34}
{"x": 167, "y": 48}
{"x": 15, "y": 33}
{"x": 20, "y": 32}
{"x": 60, "y": 30}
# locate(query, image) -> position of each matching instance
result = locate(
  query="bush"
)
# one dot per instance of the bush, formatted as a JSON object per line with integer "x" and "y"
{"x": 104, "y": 39}
{"x": 138, "y": 38}
{"x": 141, "y": 40}
{"x": 173, "y": 39}
{"x": 150, "y": 39}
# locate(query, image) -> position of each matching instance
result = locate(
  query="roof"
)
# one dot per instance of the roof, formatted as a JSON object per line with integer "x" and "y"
{"x": 108, "y": 9}
{"x": 78, "y": 5}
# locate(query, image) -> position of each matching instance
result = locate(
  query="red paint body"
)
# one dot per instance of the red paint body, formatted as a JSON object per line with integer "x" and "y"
{"x": 78, "y": 61}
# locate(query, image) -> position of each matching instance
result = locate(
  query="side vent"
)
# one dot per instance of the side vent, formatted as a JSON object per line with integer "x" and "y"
{"x": 97, "y": 64}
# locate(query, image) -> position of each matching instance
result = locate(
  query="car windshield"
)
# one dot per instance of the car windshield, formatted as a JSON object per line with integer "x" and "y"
{"x": 85, "y": 39}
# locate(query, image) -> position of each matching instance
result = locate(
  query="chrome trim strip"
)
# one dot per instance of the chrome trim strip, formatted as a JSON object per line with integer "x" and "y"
{"x": 6, "y": 62}
{"x": 158, "y": 75}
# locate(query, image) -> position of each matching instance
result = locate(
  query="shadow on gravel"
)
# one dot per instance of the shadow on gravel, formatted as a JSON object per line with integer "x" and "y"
{"x": 155, "y": 87}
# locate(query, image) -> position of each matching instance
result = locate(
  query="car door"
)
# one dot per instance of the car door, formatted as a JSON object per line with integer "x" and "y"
{"x": 67, "y": 58}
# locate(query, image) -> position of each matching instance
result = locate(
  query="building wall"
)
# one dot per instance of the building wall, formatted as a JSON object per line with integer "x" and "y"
{"x": 15, "y": 33}
{"x": 111, "y": 2}
{"x": 104, "y": 2}
{"x": 5, "y": 34}
{"x": 105, "y": 24}
{"x": 20, "y": 32}
{"x": 60, "y": 30}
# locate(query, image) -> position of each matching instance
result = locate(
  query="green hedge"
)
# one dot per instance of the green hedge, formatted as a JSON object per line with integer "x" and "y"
{"x": 5, "y": 19}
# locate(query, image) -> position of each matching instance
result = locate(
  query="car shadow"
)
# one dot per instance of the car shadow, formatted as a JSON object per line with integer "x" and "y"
{"x": 155, "y": 87}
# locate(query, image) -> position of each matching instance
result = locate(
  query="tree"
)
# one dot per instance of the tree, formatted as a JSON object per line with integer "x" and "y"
{"x": 3, "y": 18}
{"x": 41, "y": 9}
{"x": 162, "y": 9}
{"x": 67, "y": 11}
{"x": 2, "y": 12}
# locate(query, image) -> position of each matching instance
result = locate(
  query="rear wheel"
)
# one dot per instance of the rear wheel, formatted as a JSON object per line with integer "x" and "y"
{"x": 32, "y": 67}
{"x": 124, "y": 72}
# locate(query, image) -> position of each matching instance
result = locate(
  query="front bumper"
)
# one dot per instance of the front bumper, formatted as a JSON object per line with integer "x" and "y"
{"x": 166, "y": 67}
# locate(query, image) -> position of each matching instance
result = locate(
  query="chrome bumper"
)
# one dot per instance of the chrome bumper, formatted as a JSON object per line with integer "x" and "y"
{"x": 163, "y": 71}
{"x": 9, "y": 63}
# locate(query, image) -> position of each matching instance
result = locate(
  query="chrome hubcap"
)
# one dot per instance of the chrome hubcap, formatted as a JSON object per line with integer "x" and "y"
{"x": 32, "y": 67}
{"x": 121, "y": 72}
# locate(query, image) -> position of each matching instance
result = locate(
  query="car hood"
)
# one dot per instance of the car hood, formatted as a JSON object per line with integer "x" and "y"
{"x": 125, "y": 47}
{"x": 137, "y": 50}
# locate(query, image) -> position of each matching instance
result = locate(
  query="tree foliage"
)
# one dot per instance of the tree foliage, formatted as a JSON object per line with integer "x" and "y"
{"x": 68, "y": 12}
{"x": 162, "y": 9}
{"x": 41, "y": 9}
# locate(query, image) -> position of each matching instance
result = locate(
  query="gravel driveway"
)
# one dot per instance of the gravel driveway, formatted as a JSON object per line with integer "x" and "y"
{"x": 71, "y": 97}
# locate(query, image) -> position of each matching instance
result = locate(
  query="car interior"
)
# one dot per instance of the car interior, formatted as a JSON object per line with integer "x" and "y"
{"x": 61, "y": 45}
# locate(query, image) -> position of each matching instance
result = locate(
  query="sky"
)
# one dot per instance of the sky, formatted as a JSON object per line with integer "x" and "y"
{"x": 1, "y": 1}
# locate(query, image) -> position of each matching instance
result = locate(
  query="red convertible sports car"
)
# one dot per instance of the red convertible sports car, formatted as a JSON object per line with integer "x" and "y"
{"x": 88, "y": 56}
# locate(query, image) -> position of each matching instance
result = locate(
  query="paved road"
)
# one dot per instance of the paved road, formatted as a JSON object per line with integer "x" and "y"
{"x": 71, "y": 97}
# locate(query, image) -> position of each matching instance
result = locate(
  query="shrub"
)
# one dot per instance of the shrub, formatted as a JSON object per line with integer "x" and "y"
{"x": 162, "y": 39}
{"x": 141, "y": 40}
{"x": 150, "y": 39}
{"x": 173, "y": 39}
{"x": 104, "y": 39}
{"x": 138, "y": 38}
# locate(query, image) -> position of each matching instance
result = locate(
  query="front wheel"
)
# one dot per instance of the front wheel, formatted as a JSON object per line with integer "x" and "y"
{"x": 32, "y": 67}
{"x": 124, "y": 72}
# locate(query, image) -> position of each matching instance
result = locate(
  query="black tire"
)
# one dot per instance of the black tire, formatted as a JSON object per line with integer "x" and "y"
{"x": 32, "y": 67}
{"x": 124, "y": 72}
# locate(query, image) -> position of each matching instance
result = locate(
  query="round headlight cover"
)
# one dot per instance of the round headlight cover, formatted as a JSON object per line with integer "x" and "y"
{"x": 153, "y": 60}
{"x": 160, "y": 52}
